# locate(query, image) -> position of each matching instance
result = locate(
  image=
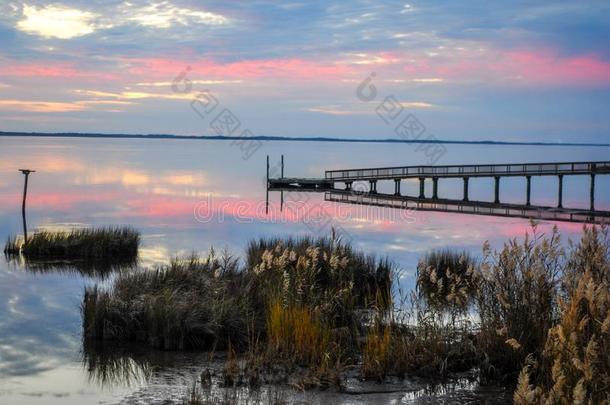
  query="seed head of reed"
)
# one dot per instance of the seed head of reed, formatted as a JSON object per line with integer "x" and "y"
{"x": 447, "y": 280}
{"x": 575, "y": 364}
{"x": 323, "y": 273}
{"x": 517, "y": 301}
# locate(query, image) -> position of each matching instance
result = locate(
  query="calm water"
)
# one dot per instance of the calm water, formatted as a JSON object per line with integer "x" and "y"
{"x": 187, "y": 196}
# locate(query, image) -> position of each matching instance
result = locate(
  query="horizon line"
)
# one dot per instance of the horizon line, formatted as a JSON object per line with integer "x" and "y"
{"x": 287, "y": 138}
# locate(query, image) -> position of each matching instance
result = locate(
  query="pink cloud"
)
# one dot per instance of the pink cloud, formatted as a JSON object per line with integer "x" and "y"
{"x": 49, "y": 69}
{"x": 548, "y": 68}
{"x": 260, "y": 68}
{"x": 527, "y": 67}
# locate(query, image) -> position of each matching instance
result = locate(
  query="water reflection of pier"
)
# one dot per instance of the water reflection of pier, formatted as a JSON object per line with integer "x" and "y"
{"x": 338, "y": 186}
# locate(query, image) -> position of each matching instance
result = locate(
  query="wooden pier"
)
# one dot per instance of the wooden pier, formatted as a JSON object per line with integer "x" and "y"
{"x": 338, "y": 186}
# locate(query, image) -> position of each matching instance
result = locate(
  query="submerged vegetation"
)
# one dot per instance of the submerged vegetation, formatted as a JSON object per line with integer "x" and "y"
{"x": 534, "y": 315}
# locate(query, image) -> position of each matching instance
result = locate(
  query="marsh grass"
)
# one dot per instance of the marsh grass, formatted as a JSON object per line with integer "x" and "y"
{"x": 574, "y": 367}
{"x": 376, "y": 352}
{"x": 532, "y": 314}
{"x": 95, "y": 252}
{"x": 297, "y": 333}
{"x": 428, "y": 343}
{"x": 517, "y": 301}
{"x": 192, "y": 303}
{"x": 295, "y": 303}
{"x": 84, "y": 244}
{"x": 322, "y": 273}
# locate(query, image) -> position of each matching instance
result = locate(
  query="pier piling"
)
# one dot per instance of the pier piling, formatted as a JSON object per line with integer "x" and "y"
{"x": 560, "y": 192}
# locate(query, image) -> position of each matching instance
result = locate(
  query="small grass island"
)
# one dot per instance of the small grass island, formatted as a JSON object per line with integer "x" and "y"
{"x": 88, "y": 244}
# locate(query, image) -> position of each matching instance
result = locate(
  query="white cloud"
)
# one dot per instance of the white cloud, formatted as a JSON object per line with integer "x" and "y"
{"x": 330, "y": 111}
{"x": 407, "y": 8}
{"x": 369, "y": 59}
{"x": 416, "y": 104}
{"x": 164, "y": 14}
{"x": 58, "y": 106}
{"x": 59, "y": 21}
{"x": 337, "y": 110}
{"x": 133, "y": 95}
{"x": 56, "y": 21}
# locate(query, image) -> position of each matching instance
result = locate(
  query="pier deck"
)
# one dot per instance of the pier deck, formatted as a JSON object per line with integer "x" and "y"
{"x": 333, "y": 179}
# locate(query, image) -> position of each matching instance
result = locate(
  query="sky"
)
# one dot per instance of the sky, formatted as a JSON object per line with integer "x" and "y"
{"x": 476, "y": 70}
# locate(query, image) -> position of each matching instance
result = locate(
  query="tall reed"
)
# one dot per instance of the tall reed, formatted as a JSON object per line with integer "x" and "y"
{"x": 575, "y": 365}
{"x": 447, "y": 279}
{"x": 517, "y": 301}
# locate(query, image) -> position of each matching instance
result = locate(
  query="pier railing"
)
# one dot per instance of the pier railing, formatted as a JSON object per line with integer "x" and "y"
{"x": 339, "y": 186}
{"x": 525, "y": 169}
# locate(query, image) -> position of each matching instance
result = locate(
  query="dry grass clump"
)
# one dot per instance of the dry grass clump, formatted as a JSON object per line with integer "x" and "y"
{"x": 538, "y": 305}
{"x": 296, "y": 333}
{"x": 591, "y": 254}
{"x": 575, "y": 364}
{"x": 324, "y": 274}
{"x": 377, "y": 352}
{"x": 517, "y": 301}
{"x": 95, "y": 243}
{"x": 429, "y": 345}
{"x": 295, "y": 306}
{"x": 191, "y": 303}
{"x": 447, "y": 279}
{"x": 292, "y": 294}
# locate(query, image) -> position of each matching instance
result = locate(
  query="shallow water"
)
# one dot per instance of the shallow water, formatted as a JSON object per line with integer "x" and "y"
{"x": 187, "y": 195}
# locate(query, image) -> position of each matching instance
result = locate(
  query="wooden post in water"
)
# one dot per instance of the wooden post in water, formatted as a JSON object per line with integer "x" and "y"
{"x": 26, "y": 172}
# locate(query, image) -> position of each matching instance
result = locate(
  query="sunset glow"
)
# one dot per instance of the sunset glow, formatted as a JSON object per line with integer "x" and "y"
{"x": 65, "y": 60}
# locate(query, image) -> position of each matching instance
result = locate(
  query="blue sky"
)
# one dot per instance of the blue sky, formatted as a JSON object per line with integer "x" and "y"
{"x": 474, "y": 70}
